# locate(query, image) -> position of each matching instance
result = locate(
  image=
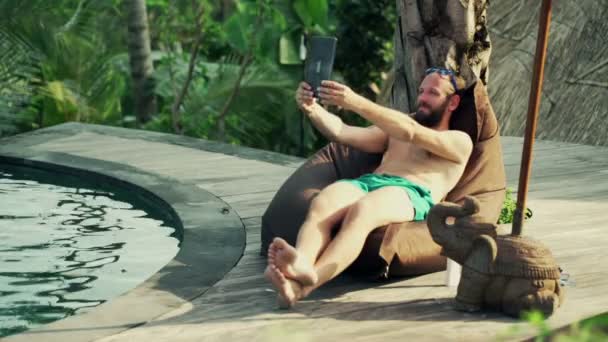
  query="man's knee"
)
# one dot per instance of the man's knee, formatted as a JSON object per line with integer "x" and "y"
{"x": 319, "y": 206}
{"x": 324, "y": 213}
{"x": 362, "y": 210}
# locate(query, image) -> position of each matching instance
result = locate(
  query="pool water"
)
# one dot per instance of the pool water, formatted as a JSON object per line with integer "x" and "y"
{"x": 67, "y": 246}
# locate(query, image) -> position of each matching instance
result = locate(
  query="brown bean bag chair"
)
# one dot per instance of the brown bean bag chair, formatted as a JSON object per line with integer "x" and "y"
{"x": 403, "y": 248}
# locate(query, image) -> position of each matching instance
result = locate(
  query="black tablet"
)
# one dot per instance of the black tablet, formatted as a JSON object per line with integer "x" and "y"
{"x": 320, "y": 55}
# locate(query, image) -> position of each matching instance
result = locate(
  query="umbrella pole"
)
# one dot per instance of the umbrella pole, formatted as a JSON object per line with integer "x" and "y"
{"x": 533, "y": 107}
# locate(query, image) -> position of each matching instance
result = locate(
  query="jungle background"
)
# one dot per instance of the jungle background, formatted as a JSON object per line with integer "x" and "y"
{"x": 227, "y": 69}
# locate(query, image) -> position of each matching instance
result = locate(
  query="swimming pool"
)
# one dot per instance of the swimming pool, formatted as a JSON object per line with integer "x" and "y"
{"x": 68, "y": 244}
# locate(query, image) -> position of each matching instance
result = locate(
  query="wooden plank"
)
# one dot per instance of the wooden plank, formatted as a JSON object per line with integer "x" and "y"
{"x": 584, "y": 183}
{"x": 515, "y": 144}
{"x": 165, "y": 159}
{"x": 104, "y": 146}
{"x": 549, "y": 172}
{"x": 590, "y": 157}
{"x": 253, "y": 221}
{"x": 515, "y": 152}
{"x": 251, "y": 204}
{"x": 256, "y": 181}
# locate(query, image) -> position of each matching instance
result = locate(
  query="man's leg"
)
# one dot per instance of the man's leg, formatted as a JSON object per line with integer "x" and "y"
{"x": 381, "y": 207}
{"x": 326, "y": 211}
{"x": 289, "y": 267}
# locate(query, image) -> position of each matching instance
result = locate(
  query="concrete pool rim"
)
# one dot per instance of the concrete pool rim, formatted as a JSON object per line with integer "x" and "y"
{"x": 213, "y": 242}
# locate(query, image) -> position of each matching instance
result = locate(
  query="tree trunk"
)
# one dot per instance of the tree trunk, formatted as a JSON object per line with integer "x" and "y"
{"x": 440, "y": 33}
{"x": 140, "y": 59}
{"x": 226, "y": 8}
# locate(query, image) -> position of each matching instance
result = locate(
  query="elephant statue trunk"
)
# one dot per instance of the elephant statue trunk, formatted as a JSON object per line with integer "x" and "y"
{"x": 457, "y": 238}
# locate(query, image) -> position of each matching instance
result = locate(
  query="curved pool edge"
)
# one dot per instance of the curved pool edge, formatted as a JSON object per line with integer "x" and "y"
{"x": 213, "y": 242}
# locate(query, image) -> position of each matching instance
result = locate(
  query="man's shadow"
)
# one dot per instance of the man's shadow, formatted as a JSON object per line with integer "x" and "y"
{"x": 340, "y": 299}
{"x": 332, "y": 300}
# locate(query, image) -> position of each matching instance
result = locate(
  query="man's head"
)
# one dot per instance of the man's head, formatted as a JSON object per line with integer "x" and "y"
{"x": 437, "y": 97}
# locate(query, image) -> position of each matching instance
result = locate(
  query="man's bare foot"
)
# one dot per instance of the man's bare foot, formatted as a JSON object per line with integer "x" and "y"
{"x": 289, "y": 291}
{"x": 293, "y": 265}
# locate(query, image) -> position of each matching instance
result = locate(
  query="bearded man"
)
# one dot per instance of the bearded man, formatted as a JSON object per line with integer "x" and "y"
{"x": 422, "y": 161}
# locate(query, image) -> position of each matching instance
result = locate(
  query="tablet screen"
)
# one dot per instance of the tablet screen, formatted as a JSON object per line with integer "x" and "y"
{"x": 320, "y": 57}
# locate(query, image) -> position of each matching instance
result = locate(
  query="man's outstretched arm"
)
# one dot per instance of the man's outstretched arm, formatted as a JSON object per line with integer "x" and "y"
{"x": 455, "y": 146}
{"x": 452, "y": 145}
{"x": 369, "y": 139}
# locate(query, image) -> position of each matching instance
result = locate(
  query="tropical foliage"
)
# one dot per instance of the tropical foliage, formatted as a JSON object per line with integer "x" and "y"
{"x": 58, "y": 64}
{"x": 223, "y": 69}
{"x": 366, "y": 51}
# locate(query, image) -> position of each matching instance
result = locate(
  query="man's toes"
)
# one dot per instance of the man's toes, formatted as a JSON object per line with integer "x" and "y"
{"x": 268, "y": 272}
{"x": 272, "y": 254}
{"x": 271, "y": 257}
{"x": 279, "y": 243}
{"x": 273, "y": 245}
{"x": 278, "y": 274}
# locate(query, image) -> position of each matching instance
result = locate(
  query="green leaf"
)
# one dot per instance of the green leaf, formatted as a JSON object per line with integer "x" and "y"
{"x": 319, "y": 11}
{"x": 597, "y": 321}
{"x": 312, "y": 12}
{"x": 301, "y": 9}
{"x": 289, "y": 48}
{"x": 287, "y": 10}
{"x": 236, "y": 33}
{"x": 277, "y": 18}
{"x": 158, "y": 3}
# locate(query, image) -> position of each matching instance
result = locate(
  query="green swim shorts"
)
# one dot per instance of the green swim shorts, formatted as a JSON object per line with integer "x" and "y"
{"x": 419, "y": 195}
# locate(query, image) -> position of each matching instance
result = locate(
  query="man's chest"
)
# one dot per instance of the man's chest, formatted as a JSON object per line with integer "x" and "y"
{"x": 417, "y": 159}
{"x": 404, "y": 151}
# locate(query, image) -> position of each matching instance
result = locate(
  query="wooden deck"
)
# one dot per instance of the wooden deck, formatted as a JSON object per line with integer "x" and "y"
{"x": 568, "y": 194}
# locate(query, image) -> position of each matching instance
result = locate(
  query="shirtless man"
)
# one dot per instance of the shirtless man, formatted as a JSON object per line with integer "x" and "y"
{"x": 423, "y": 160}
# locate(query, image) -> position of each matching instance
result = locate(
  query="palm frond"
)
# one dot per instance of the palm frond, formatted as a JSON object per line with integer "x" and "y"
{"x": 257, "y": 115}
{"x": 257, "y": 83}
{"x": 61, "y": 57}
{"x": 19, "y": 78}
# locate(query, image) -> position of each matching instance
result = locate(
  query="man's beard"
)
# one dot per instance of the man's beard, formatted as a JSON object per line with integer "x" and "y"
{"x": 433, "y": 117}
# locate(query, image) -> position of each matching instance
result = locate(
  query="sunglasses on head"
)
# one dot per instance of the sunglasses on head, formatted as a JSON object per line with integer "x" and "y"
{"x": 443, "y": 72}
